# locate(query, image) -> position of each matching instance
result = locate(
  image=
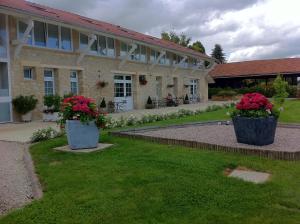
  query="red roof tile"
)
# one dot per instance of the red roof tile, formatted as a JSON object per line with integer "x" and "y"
{"x": 256, "y": 68}
{"x": 77, "y": 20}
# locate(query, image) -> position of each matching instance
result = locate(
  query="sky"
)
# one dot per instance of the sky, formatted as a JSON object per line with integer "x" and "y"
{"x": 246, "y": 29}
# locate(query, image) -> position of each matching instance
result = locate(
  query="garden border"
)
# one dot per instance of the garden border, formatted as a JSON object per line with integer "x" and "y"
{"x": 290, "y": 156}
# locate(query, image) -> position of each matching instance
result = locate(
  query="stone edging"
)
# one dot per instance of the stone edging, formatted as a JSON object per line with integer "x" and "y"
{"x": 291, "y": 156}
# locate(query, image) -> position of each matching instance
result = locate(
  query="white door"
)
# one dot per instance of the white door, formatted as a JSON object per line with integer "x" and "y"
{"x": 123, "y": 92}
{"x": 194, "y": 90}
{"x": 5, "y": 93}
{"x": 49, "y": 82}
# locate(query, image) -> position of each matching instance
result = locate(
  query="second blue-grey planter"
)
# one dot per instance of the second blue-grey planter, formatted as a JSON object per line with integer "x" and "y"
{"x": 82, "y": 135}
{"x": 255, "y": 131}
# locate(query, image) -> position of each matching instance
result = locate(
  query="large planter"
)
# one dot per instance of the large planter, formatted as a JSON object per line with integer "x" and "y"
{"x": 50, "y": 116}
{"x": 27, "y": 117}
{"x": 255, "y": 131}
{"x": 82, "y": 136}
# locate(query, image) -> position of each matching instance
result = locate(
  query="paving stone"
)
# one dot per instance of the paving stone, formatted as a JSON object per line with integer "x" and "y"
{"x": 250, "y": 176}
{"x": 101, "y": 146}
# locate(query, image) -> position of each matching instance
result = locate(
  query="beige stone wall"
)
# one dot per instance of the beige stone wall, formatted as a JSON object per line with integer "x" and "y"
{"x": 92, "y": 69}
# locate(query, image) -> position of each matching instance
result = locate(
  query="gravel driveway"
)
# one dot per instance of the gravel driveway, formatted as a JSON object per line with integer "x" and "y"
{"x": 18, "y": 185}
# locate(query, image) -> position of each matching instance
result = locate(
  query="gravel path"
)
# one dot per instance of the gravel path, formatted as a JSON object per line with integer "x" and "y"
{"x": 18, "y": 185}
{"x": 287, "y": 139}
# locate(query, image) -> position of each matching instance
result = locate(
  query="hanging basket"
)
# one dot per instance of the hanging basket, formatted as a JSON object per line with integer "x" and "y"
{"x": 101, "y": 84}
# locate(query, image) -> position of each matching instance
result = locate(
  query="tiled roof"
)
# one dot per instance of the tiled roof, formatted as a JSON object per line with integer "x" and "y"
{"x": 77, "y": 20}
{"x": 257, "y": 68}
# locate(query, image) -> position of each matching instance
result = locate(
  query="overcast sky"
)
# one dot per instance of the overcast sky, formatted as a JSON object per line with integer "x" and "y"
{"x": 246, "y": 29}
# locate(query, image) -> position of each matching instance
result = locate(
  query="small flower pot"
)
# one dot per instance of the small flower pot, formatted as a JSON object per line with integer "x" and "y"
{"x": 81, "y": 135}
{"x": 27, "y": 117}
{"x": 255, "y": 131}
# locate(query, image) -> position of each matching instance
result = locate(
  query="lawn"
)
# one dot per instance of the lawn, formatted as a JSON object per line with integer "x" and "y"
{"x": 141, "y": 182}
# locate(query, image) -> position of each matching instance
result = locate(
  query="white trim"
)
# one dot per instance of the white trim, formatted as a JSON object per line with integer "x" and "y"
{"x": 49, "y": 79}
{"x": 74, "y": 80}
{"x": 161, "y": 54}
{"x": 128, "y": 55}
{"x": 91, "y": 39}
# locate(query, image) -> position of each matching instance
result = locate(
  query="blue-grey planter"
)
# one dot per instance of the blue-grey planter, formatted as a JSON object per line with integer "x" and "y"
{"x": 255, "y": 131}
{"x": 82, "y": 136}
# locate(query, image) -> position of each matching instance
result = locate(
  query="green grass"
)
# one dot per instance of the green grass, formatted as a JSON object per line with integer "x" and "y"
{"x": 141, "y": 182}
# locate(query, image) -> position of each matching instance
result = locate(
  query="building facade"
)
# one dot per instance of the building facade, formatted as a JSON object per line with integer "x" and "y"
{"x": 44, "y": 51}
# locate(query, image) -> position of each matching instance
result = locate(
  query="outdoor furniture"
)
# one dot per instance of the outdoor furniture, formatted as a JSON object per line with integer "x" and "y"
{"x": 119, "y": 106}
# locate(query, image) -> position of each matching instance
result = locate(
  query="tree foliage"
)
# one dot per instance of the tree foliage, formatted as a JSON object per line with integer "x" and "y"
{"x": 198, "y": 46}
{"x": 218, "y": 54}
{"x": 280, "y": 87}
{"x": 181, "y": 39}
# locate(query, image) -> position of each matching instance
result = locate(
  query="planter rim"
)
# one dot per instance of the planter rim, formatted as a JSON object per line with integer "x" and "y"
{"x": 254, "y": 118}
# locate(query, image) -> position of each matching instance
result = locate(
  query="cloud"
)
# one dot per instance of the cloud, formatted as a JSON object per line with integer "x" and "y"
{"x": 247, "y": 29}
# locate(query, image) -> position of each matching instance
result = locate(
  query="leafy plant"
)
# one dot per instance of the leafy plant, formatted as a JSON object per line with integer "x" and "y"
{"x": 44, "y": 134}
{"x": 225, "y": 93}
{"x": 149, "y": 104}
{"x": 24, "y": 104}
{"x": 103, "y": 103}
{"x": 281, "y": 93}
{"x": 52, "y": 102}
{"x": 149, "y": 101}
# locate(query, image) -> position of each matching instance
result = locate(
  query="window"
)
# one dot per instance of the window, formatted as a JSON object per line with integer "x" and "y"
{"x": 143, "y": 54}
{"x": 123, "y": 51}
{"x": 3, "y": 37}
{"x": 4, "y": 82}
{"x": 119, "y": 90}
{"x": 94, "y": 47}
{"x": 28, "y": 73}
{"x": 74, "y": 82}
{"x": 39, "y": 34}
{"x": 153, "y": 55}
{"x": 102, "y": 45}
{"x": 21, "y": 30}
{"x": 84, "y": 40}
{"x": 162, "y": 60}
{"x": 52, "y": 41}
{"x": 193, "y": 87}
{"x": 66, "y": 43}
{"x": 49, "y": 82}
{"x": 168, "y": 59}
{"x": 110, "y": 47}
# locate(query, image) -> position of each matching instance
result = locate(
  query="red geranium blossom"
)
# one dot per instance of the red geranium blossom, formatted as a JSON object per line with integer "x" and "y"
{"x": 254, "y": 101}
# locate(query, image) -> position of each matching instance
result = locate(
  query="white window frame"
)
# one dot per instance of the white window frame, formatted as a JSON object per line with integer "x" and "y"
{"x": 31, "y": 72}
{"x": 46, "y": 47}
{"x": 74, "y": 80}
{"x": 49, "y": 79}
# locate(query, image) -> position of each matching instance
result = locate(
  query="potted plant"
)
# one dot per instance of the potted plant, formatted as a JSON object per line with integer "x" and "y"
{"x": 24, "y": 105}
{"x": 52, "y": 107}
{"x": 103, "y": 105}
{"x": 186, "y": 99}
{"x": 149, "y": 104}
{"x": 142, "y": 79}
{"x": 255, "y": 120}
{"x": 81, "y": 119}
{"x": 101, "y": 84}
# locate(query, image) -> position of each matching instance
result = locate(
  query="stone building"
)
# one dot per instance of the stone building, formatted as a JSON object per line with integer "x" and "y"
{"x": 46, "y": 51}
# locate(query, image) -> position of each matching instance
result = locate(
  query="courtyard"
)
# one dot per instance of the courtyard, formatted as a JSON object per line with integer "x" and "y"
{"x": 136, "y": 181}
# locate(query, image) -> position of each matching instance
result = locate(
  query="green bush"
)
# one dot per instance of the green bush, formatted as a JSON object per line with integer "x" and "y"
{"x": 280, "y": 87}
{"x": 52, "y": 102}
{"x": 24, "y": 104}
{"x": 44, "y": 134}
{"x": 226, "y": 93}
{"x": 292, "y": 91}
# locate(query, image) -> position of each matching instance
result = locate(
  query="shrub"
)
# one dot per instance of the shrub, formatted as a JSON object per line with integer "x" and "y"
{"x": 44, "y": 134}
{"x": 225, "y": 93}
{"x": 24, "y": 104}
{"x": 149, "y": 101}
{"x": 103, "y": 103}
{"x": 280, "y": 87}
{"x": 292, "y": 91}
{"x": 52, "y": 102}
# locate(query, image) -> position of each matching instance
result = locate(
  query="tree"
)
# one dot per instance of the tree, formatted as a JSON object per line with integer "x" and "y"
{"x": 198, "y": 46}
{"x": 181, "y": 39}
{"x": 218, "y": 54}
{"x": 280, "y": 87}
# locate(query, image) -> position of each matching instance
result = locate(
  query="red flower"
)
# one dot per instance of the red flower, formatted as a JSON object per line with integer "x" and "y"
{"x": 254, "y": 101}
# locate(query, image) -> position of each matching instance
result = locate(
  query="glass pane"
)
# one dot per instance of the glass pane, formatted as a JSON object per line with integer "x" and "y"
{"x": 49, "y": 90}
{"x": 3, "y": 37}
{"x": 66, "y": 38}
{"x": 110, "y": 47}
{"x": 119, "y": 90}
{"x": 119, "y": 77}
{"x": 28, "y": 73}
{"x": 102, "y": 45}
{"x": 123, "y": 49}
{"x": 22, "y": 28}
{"x": 74, "y": 88}
{"x": 4, "y": 112}
{"x": 136, "y": 55}
{"x": 39, "y": 34}
{"x": 94, "y": 47}
{"x": 162, "y": 60}
{"x": 153, "y": 56}
{"x": 4, "y": 84}
{"x": 128, "y": 77}
{"x": 48, "y": 74}
{"x": 84, "y": 39}
{"x": 52, "y": 36}
{"x": 128, "y": 89}
{"x": 143, "y": 53}
{"x": 73, "y": 75}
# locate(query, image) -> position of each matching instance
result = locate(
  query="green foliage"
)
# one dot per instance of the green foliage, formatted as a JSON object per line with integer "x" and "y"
{"x": 292, "y": 91}
{"x": 218, "y": 54}
{"x": 186, "y": 97}
{"x": 281, "y": 93}
{"x": 255, "y": 113}
{"x": 44, "y": 134}
{"x": 198, "y": 46}
{"x": 226, "y": 93}
{"x": 180, "y": 39}
{"x": 53, "y": 102}
{"x": 149, "y": 101}
{"x": 24, "y": 104}
{"x": 103, "y": 103}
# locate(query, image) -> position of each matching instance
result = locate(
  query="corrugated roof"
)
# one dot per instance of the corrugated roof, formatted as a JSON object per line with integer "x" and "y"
{"x": 77, "y": 20}
{"x": 256, "y": 68}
